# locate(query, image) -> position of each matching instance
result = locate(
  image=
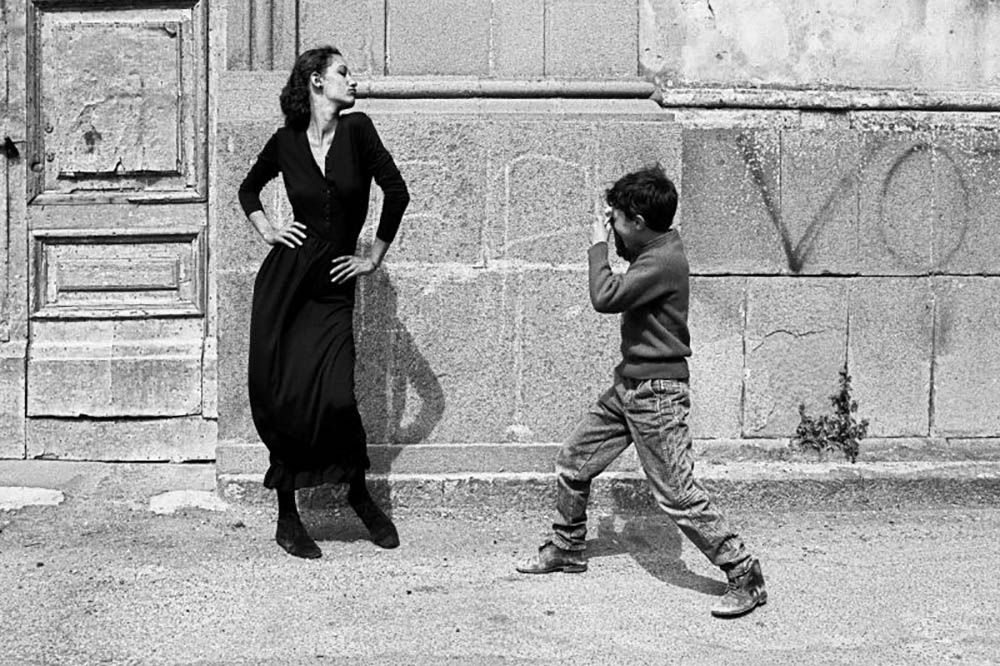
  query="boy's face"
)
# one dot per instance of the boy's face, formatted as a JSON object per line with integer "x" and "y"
{"x": 626, "y": 229}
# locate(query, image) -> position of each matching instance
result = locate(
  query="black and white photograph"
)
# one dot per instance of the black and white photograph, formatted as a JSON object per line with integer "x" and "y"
{"x": 499, "y": 332}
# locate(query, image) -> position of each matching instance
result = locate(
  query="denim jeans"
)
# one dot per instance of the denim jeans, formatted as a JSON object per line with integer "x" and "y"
{"x": 652, "y": 413}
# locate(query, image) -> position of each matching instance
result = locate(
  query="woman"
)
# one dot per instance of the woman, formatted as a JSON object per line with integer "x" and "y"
{"x": 301, "y": 366}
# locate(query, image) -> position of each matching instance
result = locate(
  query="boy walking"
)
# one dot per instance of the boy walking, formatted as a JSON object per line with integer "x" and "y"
{"x": 649, "y": 401}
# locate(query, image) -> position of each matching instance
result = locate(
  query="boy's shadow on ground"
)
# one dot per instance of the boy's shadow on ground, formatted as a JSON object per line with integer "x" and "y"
{"x": 390, "y": 376}
{"x": 654, "y": 542}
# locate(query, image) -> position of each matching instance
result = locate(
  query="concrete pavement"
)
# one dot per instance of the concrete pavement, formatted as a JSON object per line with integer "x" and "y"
{"x": 100, "y": 578}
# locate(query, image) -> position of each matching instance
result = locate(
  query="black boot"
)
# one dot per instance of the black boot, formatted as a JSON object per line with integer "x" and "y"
{"x": 291, "y": 534}
{"x": 379, "y": 525}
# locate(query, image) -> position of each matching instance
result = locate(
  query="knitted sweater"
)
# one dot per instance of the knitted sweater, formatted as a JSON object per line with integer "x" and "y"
{"x": 652, "y": 297}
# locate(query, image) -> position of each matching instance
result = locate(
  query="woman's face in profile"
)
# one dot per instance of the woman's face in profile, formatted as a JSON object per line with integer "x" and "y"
{"x": 336, "y": 83}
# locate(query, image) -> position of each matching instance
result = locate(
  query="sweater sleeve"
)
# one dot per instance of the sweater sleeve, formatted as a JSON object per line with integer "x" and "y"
{"x": 387, "y": 176}
{"x": 262, "y": 172}
{"x": 613, "y": 293}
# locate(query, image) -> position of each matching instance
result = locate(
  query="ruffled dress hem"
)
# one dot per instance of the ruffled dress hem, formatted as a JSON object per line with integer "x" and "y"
{"x": 281, "y": 477}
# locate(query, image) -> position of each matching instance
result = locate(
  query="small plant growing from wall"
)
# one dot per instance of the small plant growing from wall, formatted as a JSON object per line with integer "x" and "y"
{"x": 839, "y": 431}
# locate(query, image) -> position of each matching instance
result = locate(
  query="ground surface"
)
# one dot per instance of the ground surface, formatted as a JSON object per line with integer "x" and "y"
{"x": 100, "y": 579}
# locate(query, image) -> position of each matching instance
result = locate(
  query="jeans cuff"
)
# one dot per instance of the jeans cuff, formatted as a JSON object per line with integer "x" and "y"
{"x": 739, "y": 567}
{"x": 563, "y": 544}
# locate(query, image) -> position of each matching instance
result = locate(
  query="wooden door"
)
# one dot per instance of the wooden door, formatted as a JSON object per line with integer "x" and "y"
{"x": 116, "y": 218}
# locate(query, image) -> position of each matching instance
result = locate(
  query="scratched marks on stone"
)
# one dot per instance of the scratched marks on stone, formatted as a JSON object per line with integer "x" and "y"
{"x": 544, "y": 201}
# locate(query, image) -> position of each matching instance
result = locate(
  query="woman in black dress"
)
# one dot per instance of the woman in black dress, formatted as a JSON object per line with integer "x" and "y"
{"x": 301, "y": 365}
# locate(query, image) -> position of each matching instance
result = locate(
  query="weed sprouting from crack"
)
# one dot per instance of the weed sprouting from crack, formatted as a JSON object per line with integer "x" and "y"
{"x": 832, "y": 432}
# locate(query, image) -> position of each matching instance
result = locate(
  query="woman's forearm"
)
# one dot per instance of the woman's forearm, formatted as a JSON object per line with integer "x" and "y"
{"x": 378, "y": 250}
{"x": 260, "y": 222}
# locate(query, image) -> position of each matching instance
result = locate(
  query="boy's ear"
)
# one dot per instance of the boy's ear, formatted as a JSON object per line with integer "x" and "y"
{"x": 640, "y": 221}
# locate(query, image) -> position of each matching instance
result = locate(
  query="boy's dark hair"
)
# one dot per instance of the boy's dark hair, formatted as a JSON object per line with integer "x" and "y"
{"x": 647, "y": 192}
{"x": 295, "y": 95}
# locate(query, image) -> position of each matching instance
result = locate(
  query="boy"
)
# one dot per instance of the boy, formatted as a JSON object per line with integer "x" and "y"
{"x": 649, "y": 400}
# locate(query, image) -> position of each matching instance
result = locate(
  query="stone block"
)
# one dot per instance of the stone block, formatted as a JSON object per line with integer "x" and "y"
{"x": 863, "y": 45}
{"x": 125, "y": 368}
{"x": 897, "y": 213}
{"x": 966, "y": 357}
{"x": 624, "y": 147}
{"x": 356, "y": 28}
{"x": 548, "y": 178}
{"x": 966, "y": 201}
{"x": 444, "y": 163}
{"x": 542, "y": 193}
{"x": 235, "y": 293}
{"x": 210, "y": 378}
{"x": 12, "y": 409}
{"x": 596, "y": 39}
{"x": 715, "y": 321}
{"x": 567, "y": 352}
{"x": 660, "y": 21}
{"x": 518, "y": 48}
{"x": 454, "y": 458}
{"x": 889, "y": 354}
{"x": 437, "y": 37}
{"x": 240, "y": 457}
{"x": 818, "y": 220}
{"x": 731, "y": 201}
{"x": 489, "y": 458}
{"x": 796, "y": 337}
{"x": 237, "y": 245}
{"x": 434, "y": 352}
{"x": 173, "y": 440}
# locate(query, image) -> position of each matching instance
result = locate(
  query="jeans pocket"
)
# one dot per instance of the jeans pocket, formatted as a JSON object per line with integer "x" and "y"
{"x": 673, "y": 396}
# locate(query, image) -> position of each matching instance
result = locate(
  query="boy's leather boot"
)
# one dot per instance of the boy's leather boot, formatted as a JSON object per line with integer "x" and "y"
{"x": 744, "y": 592}
{"x": 551, "y": 558}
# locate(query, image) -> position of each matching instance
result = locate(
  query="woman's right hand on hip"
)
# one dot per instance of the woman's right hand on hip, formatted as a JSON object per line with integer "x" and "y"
{"x": 291, "y": 235}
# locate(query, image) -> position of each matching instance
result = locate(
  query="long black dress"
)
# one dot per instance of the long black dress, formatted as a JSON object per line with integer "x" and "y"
{"x": 301, "y": 363}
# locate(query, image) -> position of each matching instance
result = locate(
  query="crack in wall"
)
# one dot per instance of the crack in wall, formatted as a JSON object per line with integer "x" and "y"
{"x": 783, "y": 331}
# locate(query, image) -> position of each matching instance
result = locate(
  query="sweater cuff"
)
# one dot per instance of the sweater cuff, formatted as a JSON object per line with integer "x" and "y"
{"x": 598, "y": 253}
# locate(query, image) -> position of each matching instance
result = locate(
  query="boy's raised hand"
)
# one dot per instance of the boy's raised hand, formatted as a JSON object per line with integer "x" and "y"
{"x": 601, "y": 227}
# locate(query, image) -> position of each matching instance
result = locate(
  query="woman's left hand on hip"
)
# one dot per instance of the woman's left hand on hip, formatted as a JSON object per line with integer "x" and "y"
{"x": 350, "y": 266}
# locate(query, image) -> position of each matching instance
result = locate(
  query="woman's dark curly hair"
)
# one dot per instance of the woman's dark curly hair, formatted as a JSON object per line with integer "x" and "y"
{"x": 295, "y": 95}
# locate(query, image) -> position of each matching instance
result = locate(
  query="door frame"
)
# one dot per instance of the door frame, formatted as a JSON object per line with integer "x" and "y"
{"x": 13, "y": 234}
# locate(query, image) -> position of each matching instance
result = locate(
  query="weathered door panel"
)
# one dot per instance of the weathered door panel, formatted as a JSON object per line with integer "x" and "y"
{"x": 117, "y": 216}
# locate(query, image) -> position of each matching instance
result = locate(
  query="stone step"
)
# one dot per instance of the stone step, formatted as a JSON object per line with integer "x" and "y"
{"x": 766, "y": 486}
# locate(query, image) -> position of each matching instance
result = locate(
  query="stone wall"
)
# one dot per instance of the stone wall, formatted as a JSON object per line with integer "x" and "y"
{"x": 838, "y": 166}
{"x": 838, "y": 170}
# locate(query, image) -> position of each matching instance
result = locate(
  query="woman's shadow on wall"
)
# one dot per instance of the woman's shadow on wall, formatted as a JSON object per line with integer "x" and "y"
{"x": 400, "y": 399}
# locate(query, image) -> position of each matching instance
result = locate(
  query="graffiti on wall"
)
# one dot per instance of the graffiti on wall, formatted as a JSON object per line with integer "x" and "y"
{"x": 917, "y": 195}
